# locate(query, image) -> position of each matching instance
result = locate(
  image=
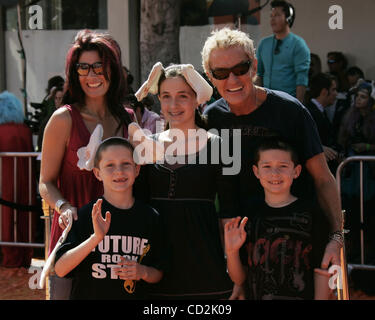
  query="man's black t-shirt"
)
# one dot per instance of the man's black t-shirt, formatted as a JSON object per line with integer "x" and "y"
{"x": 279, "y": 115}
{"x": 283, "y": 247}
{"x": 131, "y": 230}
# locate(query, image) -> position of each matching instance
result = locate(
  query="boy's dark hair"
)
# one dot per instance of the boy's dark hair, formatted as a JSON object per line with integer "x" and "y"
{"x": 352, "y": 71}
{"x": 55, "y": 81}
{"x": 113, "y": 141}
{"x": 275, "y": 143}
{"x": 319, "y": 82}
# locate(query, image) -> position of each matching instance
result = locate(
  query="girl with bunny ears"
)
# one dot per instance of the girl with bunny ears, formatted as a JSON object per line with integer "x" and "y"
{"x": 184, "y": 190}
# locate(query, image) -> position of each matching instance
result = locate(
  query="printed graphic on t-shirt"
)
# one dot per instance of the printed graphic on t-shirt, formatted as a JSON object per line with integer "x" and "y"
{"x": 251, "y": 130}
{"x": 111, "y": 249}
{"x": 280, "y": 257}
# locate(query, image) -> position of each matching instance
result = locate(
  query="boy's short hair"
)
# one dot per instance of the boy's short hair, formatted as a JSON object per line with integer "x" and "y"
{"x": 355, "y": 71}
{"x": 112, "y": 141}
{"x": 276, "y": 143}
{"x": 319, "y": 82}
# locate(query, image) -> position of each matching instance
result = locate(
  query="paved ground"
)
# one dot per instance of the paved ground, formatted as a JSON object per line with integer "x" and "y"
{"x": 15, "y": 285}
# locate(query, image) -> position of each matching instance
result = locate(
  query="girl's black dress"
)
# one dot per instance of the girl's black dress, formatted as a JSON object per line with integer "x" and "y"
{"x": 184, "y": 195}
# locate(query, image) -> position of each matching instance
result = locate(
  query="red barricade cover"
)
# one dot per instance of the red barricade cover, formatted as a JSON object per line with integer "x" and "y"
{"x": 16, "y": 138}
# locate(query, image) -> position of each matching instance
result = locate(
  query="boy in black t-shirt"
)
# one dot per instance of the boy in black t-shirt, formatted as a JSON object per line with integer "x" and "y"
{"x": 113, "y": 255}
{"x": 282, "y": 248}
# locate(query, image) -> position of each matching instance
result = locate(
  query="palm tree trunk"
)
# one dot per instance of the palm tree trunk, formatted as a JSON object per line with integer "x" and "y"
{"x": 159, "y": 34}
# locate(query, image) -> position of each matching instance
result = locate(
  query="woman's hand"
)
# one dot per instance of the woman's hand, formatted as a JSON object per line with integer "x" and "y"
{"x": 66, "y": 210}
{"x": 147, "y": 150}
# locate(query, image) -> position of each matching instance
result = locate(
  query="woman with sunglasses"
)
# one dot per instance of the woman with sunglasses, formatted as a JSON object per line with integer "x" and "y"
{"x": 337, "y": 64}
{"x": 94, "y": 94}
{"x": 183, "y": 187}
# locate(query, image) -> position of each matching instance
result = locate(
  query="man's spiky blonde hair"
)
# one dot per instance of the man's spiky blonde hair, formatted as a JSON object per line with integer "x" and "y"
{"x": 223, "y": 39}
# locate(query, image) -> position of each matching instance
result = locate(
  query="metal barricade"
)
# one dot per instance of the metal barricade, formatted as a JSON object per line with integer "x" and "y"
{"x": 343, "y": 284}
{"x": 360, "y": 159}
{"x": 47, "y": 210}
{"x": 30, "y": 181}
{"x": 48, "y": 217}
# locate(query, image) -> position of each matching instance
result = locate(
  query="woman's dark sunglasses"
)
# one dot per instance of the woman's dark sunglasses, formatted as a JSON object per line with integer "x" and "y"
{"x": 238, "y": 70}
{"x": 83, "y": 69}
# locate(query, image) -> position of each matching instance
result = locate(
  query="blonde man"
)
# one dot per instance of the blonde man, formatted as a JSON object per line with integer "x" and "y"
{"x": 230, "y": 63}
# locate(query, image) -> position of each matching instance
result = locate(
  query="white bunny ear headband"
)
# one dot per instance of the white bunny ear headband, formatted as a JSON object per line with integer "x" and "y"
{"x": 86, "y": 155}
{"x": 192, "y": 77}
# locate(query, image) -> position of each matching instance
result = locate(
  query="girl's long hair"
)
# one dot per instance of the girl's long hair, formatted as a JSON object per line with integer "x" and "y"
{"x": 350, "y": 121}
{"x": 352, "y": 117}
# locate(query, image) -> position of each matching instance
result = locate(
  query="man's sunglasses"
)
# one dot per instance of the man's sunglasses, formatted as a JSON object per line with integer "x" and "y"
{"x": 83, "y": 69}
{"x": 238, "y": 70}
{"x": 331, "y": 61}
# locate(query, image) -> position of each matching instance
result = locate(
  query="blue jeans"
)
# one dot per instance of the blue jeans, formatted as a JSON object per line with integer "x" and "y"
{"x": 59, "y": 288}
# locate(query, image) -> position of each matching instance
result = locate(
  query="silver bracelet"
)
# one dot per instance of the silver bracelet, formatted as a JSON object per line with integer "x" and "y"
{"x": 337, "y": 236}
{"x": 59, "y": 203}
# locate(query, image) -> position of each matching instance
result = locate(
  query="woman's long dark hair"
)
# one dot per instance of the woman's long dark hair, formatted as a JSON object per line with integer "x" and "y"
{"x": 110, "y": 54}
{"x": 352, "y": 118}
